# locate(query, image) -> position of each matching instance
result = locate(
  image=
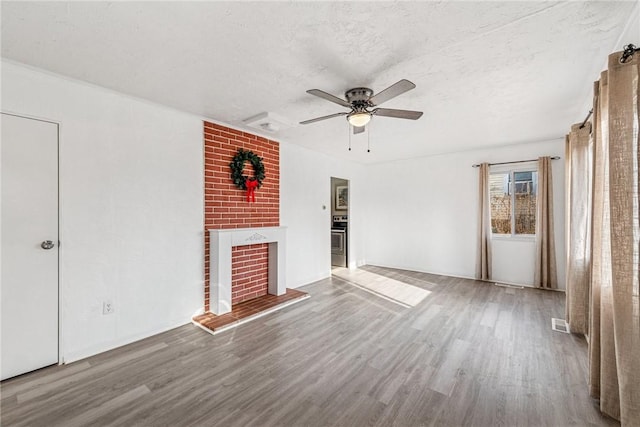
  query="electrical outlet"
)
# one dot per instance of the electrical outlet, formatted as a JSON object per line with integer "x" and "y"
{"x": 107, "y": 307}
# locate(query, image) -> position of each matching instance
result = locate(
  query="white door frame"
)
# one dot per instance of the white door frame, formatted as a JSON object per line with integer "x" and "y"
{"x": 60, "y": 237}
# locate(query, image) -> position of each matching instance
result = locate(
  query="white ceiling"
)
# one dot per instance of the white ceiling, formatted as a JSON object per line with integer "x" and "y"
{"x": 487, "y": 73}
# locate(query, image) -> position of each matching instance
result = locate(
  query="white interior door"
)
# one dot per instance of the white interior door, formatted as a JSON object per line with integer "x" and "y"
{"x": 29, "y": 298}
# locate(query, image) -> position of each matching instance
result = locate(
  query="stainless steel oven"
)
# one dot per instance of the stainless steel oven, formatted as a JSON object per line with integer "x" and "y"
{"x": 339, "y": 241}
{"x": 339, "y": 247}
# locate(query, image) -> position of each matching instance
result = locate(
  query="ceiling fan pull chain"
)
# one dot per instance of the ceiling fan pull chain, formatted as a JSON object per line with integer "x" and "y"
{"x": 349, "y": 132}
{"x": 368, "y": 138}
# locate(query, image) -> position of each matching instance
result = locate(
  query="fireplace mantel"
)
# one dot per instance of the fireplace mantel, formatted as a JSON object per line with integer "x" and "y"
{"x": 220, "y": 244}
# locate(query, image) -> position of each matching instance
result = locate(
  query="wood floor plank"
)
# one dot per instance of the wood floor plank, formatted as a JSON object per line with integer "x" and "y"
{"x": 50, "y": 376}
{"x": 468, "y": 353}
{"x": 77, "y": 377}
{"x": 111, "y": 406}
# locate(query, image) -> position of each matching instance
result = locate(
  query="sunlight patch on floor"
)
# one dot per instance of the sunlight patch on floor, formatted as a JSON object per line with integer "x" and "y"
{"x": 400, "y": 292}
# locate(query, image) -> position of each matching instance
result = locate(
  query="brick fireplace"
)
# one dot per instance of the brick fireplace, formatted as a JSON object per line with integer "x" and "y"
{"x": 221, "y": 269}
{"x": 226, "y": 206}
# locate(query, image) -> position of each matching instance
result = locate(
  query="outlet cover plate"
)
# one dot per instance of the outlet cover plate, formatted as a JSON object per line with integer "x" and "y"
{"x": 107, "y": 307}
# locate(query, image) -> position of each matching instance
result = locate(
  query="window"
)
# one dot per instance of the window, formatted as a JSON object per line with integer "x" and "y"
{"x": 513, "y": 202}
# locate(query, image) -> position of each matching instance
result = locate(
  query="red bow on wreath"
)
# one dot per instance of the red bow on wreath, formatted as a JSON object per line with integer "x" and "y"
{"x": 251, "y": 184}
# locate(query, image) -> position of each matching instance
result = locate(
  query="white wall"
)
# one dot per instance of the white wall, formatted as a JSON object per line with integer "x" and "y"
{"x": 305, "y": 208}
{"x": 131, "y": 204}
{"x": 422, "y": 214}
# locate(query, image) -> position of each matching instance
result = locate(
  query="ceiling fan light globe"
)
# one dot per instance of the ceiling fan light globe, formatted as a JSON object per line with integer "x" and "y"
{"x": 359, "y": 119}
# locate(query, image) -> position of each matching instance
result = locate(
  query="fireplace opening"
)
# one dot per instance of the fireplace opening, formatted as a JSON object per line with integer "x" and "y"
{"x": 250, "y": 272}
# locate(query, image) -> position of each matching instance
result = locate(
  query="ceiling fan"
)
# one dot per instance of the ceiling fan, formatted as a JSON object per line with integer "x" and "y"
{"x": 361, "y": 100}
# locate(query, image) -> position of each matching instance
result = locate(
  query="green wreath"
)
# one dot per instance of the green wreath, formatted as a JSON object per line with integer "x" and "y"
{"x": 237, "y": 165}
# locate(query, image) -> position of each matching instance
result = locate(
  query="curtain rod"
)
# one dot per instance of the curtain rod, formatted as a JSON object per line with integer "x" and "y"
{"x": 628, "y": 52}
{"x": 584, "y": 122}
{"x": 517, "y": 161}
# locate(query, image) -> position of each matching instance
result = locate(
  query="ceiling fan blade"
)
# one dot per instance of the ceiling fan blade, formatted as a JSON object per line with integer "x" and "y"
{"x": 317, "y": 119}
{"x": 324, "y": 95}
{"x": 398, "y": 114}
{"x": 391, "y": 92}
{"x": 358, "y": 129}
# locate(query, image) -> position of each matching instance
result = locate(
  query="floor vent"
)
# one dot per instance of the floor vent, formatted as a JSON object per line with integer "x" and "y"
{"x": 559, "y": 325}
{"x": 505, "y": 285}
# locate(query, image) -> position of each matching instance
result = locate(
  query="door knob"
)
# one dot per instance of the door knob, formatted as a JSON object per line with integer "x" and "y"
{"x": 47, "y": 244}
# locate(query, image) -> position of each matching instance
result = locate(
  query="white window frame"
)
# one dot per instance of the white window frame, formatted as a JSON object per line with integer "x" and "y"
{"x": 511, "y": 169}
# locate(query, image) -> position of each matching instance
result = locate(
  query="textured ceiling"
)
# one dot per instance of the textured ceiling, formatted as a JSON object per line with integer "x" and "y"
{"x": 487, "y": 73}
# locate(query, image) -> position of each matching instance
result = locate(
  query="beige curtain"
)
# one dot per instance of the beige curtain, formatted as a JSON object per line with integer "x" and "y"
{"x": 483, "y": 258}
{"x": 614, "y": 344}
{"x": 578, "y": 181}
{"x": 546, "y": 275}
{"x": 601, "y": 340}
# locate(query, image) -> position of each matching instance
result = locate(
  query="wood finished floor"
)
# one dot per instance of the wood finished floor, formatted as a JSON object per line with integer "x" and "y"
{"x": 469, "y": 353}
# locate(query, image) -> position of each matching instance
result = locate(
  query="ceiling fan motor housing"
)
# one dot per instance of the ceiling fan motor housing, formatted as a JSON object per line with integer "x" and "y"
{"x": 359, "y": 96}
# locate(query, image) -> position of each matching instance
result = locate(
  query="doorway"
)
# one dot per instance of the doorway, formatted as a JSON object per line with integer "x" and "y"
{"x": 29, "y": 230}
{"x": 339, "y": 222}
